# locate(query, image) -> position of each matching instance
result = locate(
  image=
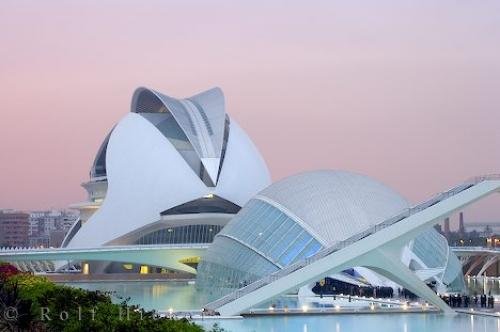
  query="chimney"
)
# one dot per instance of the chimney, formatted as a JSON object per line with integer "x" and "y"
{"x": 461, "y": 226}
{"x": 447, "y": 227}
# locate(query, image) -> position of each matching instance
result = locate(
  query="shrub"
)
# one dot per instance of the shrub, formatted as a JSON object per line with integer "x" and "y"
{"x": 44, "y": 306}
{"x": 7, "y": 270}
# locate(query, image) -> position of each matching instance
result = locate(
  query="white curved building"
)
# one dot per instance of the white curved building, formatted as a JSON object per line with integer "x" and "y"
{"x": 296, "y": 217}
{"x": 171, "y": 171}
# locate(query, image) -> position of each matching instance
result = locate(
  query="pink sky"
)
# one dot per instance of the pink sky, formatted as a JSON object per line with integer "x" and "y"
{"x": 406, "y": 92}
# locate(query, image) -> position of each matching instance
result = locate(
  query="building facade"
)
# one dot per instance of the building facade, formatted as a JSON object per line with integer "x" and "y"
{"x": 14, "y": 228}
{"x": 296, "y": 217}
{"x": 172, "y": 171}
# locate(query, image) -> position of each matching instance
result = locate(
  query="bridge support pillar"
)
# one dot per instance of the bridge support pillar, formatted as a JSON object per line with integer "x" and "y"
{"x": 388, "y": 264}
{"x": 489, "y": 262}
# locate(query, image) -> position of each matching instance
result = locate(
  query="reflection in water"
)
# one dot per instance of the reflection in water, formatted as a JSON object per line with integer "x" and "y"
{"x": 479, "y": 286}
{"x": 162, "y": 295}
{"x": 158, "y": 295}
{"x": 180, "y": 295}
{"x": 360, "y": 322}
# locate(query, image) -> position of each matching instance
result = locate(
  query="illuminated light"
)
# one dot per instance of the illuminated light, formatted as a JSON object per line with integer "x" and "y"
{"x": 305, "y": 308}
{"x": 372, "y": 307}
{"x": 405, "y": 306}
{"x": 286, "y": 309}
{"x": 471, "y": 310}
{"x": 337, "y": 307}
{"x": 144, "y": 269}
{"x": 271, "y": 308}
{"x": 128, "y": 266}
{"x": 86, "y": 268}
{"x": 209, "y": 196}
{"x": 170, "y": 310}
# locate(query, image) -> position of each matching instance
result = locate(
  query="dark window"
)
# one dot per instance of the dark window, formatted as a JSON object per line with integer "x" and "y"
{"x": 182, "y": 234}
{"x": 213, "y": 204}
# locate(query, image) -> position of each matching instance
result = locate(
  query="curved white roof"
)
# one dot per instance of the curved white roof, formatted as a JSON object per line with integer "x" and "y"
{"x": 334, "y": 205}
{"x": 151, "y": 164}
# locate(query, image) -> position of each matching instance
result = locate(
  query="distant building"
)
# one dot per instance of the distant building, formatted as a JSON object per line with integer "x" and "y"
{"x": 447, "y": 227}
{"x": 461, "y": 225}
{"x": 46, "y": 227}
{"x": 14, "y": 228}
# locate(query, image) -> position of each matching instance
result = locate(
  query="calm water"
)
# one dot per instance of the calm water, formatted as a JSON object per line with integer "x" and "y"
{"x": 478, "y": 286}
{"x": 183, "y": 296}
{"x": 363, "y": 323}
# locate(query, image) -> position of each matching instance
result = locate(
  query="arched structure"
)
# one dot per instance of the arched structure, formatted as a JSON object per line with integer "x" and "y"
{"x": 478, "y": 260}
{"x": 298, "y": 216}
{"x": 164, "y": 154}
{"x": 166, "y": 256}
{"x": 376, "y": 248}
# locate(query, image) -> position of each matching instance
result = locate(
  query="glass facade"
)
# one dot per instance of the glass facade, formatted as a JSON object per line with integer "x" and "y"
{"x": 432, "y": 248}
{"x": 99, "y": 166}
{"x": 453, "y": 276}
{"x": 181, "y": 234}
{"x": 259, "y": 240}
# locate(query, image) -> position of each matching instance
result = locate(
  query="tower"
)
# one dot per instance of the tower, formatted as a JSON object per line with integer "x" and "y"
{"x": 447, "y": 227}
{"x": 461, "y": 226}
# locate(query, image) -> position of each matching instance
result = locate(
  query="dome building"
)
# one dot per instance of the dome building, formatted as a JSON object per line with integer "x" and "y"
{"x": 171, "y": 171}
{"x": 296, "y": 217}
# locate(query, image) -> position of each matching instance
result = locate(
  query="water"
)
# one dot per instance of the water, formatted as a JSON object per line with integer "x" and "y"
{"x": 478, "y": 286}
{"x": 163, "y": 295}
{"x": 151, "y": 295}
{"x": 363, "y": 322}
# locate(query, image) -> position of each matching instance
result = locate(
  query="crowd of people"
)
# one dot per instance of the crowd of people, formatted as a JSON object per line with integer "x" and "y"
{"x": 334, "y": 287}
{"x": 465, "y": 301}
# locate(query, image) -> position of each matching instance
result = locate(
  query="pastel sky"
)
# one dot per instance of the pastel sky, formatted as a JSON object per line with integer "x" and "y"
{"x": 407, "y": 92}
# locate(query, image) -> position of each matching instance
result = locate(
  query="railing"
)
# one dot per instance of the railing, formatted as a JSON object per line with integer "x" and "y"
{"x": 475, "y": 248}
{"x": 212, "y": 306}
{"x": 23, "y": 250}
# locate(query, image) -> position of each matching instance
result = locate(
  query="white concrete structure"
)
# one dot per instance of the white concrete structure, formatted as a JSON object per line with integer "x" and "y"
{"x": 476, "y": 260}
{"x": 164, "y": 154}
{"x": 168, "y": 256}
{"x": 376, "y": 248}
{"x": 298, "y": 216}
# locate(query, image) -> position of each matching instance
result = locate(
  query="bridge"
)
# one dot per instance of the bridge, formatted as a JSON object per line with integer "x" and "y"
{"x": 477, "y": 260}
{"x": 165, "y": 255}
{"x": 375, "y": 248}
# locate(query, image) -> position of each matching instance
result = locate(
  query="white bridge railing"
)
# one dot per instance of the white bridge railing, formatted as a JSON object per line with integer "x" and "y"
{"x": 28, "y": 250}
{"x": 213, "y": 306}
